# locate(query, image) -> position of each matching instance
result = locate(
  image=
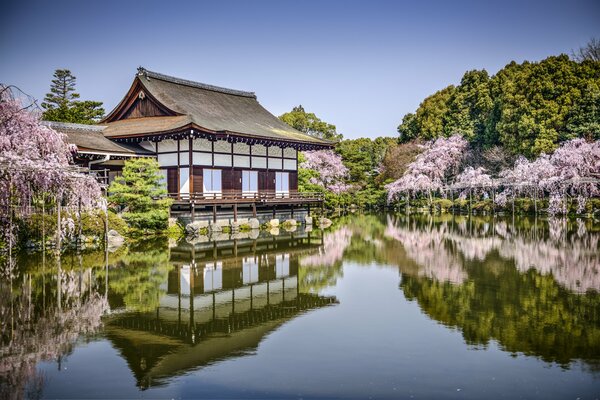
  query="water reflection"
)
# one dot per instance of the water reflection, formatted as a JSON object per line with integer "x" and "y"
{"x": 530, "y": 286}
{"x": 169, "y": 309}
{"x": 166, "y": 310}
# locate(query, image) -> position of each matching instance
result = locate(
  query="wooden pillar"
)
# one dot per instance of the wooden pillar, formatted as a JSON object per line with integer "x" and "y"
{"x": 274, "y": 210}
{"x": 214, "y": 213}
{"x": 235, "y": 212}
{"x": 292, "y": 211}
{"x": 193, "y": 210}
{"x": 253, "y": 210}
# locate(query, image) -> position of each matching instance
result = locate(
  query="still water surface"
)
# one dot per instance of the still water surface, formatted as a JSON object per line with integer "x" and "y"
{"x": 375, "y": 307}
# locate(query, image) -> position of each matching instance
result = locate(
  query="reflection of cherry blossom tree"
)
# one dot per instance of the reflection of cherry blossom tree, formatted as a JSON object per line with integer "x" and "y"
{"x": 570, "y": 170}
{"x": 37, "y": 334}
{"x": 427, "y": 248}
{"x": 441, "y": 250}
{"x": 322, "y": 268}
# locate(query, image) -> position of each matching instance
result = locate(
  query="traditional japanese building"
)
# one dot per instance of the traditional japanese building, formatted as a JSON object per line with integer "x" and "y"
{"x": 215, "y": 146}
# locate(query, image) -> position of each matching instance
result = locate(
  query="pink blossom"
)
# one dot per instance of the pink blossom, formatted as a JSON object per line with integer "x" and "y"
{"x": 429, "y": 171}
{"x": 35, "y": 161}
{"x": 332, "y": 172}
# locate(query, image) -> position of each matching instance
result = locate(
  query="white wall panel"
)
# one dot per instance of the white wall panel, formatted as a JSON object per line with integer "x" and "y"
{"x": 259, "y": 162}
{"x": 241, "y": 161}
{"x": 223, "y": 160}
{"x": 241, "y": 148}
{"x": 289, "y": 164}
{"x": 167, "y": 145}
{"x": 275, "y": 163}
{"x": 259, "y": 150}
{"x": 167, "y": 160}
{"x": 202, "y": 159}
{"x": 202, "y": 144}
{"x": 184, "y": 144}
{"x": 275, "y": 151}
{"x": 223, "y": 146}
{"x": 289, "y": 152}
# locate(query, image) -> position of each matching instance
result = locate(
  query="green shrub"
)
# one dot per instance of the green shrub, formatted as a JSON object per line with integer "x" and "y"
{"x": 139, "y": 191}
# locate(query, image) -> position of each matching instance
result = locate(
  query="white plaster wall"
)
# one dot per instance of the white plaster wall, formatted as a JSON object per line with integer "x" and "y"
{"x": 223, "y": 160}
{"x": 202, "y": 144}
{"x": 202, "y": 159}
{"x": 275, "y": 163}
{"x": 289, "y": 164}
{"x": 259, "y": 162}
{"x": 167, "y": 145}
{"x": 241, "y": 148}
{"x": 289, "y": 152}
{"x": 275, "y": 151}
{"x": 259, "y": 150}
{"x": 167, "y": 160}
{"x": 241, "y": 161}
{"x": 223, "y": 146}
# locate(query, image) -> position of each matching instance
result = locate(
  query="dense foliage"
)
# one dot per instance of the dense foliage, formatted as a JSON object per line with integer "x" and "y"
{"x": 62, "y": 104}
{"x": 310, "y": 124}
{"x": 138, "y": 192}
{"x": 527, "y": 108}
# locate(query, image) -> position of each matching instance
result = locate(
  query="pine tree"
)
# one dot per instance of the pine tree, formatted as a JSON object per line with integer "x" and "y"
{"x": 61, "y": 103}
{"x": 139, "y": 191}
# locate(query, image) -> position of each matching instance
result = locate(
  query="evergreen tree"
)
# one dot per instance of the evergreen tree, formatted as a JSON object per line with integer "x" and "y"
{"x": 310, "y": 124}
{"x": 61, "y": 103}
{"x": 138, "y": 191}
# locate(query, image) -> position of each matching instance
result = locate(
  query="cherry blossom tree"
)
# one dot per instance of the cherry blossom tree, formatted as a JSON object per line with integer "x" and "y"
{"x": 331, "y": 172}
{"x": 474, "y": 178}
{"x": 430, "y": 170}
{"x": 35, "y": 165}
{"x": 572, "y": 170}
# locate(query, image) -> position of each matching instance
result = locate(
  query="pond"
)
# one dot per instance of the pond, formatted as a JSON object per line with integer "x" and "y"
{"x": 378, "y": 306}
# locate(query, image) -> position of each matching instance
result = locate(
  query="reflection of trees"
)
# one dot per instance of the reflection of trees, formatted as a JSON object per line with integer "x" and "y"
{"x": 42, "y": 317}
{"x": 322, "y": 268}
{"x": 525, "y": 312}
{"x": 428, "y": 250}
{"x": 136, "y": 281}
{"x": 570, "y": 254}
{"x": 529, "y": 285}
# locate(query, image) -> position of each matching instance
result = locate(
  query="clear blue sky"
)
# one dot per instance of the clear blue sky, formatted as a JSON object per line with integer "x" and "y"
{"x": 359, "y": 65}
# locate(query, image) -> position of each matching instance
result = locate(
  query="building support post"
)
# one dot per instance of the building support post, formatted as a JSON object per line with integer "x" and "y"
{"x": 214, "y": 213}
{"x": 235, "y": 212}
{"x": 253, "y": 210}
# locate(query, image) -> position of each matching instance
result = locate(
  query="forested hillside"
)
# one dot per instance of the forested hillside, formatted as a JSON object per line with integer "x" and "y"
{"x": 526, "y": 108}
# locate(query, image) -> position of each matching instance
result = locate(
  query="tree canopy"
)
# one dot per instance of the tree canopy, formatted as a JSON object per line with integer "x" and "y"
{"x": 62, "y": 104}
{"x": 138, "y": 191}
{"x": 310, "y": 124}
{"x": 528, "y": 108}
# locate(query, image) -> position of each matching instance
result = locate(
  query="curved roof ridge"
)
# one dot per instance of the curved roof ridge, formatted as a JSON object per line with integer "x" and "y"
{"x": 73, "y": 126}
{"x": 156, "y": 75}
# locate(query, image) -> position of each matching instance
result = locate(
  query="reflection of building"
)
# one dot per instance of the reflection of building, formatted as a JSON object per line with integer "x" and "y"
{"x": 221, "y": 299}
